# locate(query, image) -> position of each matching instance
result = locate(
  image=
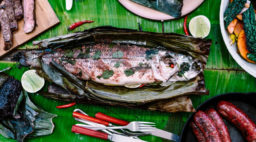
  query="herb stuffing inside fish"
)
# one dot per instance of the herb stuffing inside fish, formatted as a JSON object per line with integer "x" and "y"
{"x": 170, "y": 7}
{"x": 126, "y": 65}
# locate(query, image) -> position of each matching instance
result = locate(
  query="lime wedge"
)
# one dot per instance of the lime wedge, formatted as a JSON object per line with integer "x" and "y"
{"x": 31, "y": 81}
{"x": 200, "y": 26}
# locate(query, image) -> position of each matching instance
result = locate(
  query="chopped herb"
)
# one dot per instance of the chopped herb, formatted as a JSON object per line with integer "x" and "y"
{"x": 118, "y": 54}
{"x": 80, "y": 74}
{"x": 150, "y": 53}
{"x": 84, "y": 55}
{"x": 110, "y": 45}
{"x": 72, "y": 62}
{"x": 129, "y": 72}
{"x": 106, "y": 74}
{"x": 117, "y": 64}
{"x": 97, "y": 55}
{"x": 69, "y": 54}
{"x": 183, "y": 68}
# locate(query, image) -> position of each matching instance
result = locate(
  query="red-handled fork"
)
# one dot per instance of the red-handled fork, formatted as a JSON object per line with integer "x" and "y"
{"x": 89, "y": 118}
{"x": 156, "y": 132}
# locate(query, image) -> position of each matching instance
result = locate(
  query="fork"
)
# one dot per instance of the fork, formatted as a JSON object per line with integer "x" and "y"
{"x": 134, "y": 126}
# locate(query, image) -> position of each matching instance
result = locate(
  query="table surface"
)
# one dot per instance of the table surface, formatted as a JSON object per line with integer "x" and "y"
{"x": 222, "y": 74}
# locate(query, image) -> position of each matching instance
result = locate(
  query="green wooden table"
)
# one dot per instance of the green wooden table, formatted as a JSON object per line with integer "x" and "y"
{"x": 222, "y": 74}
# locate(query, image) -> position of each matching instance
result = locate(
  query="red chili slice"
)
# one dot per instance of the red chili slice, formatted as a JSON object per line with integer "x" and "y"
{"x": 66, "y": 105}
{"x": 77, "y": 24}
{"x": 185, "y": 26}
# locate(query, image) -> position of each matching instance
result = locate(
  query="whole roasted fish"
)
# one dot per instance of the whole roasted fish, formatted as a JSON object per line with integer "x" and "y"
{"x": 122, "y": 67}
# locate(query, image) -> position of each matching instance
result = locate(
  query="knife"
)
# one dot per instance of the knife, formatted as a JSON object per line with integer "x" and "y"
{"x": 69, "y": 4}
{"x": 105, "y": 136}
{"x": 155, "y": 132}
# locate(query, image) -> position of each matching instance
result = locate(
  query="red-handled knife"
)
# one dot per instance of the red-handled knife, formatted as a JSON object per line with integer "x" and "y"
{"x": 101, "y": 135}
{"x": 113, "y": 120}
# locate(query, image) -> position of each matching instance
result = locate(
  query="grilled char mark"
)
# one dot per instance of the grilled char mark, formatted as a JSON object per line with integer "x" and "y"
{"x": 207, "y": 126}
{"x": 29, "y": 15}
{"x": 197, "y": 132}
{"x": 220, "y": 125}
{"x": 11, "y": 15}
{"x": 237, "y": 117}
{"x": 5, "y": 27}
{"x": 18, "y": 10}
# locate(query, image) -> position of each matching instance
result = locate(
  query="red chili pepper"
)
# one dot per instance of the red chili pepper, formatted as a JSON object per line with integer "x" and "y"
{"x": 172, "y": 66}
{"x": 66, "y": 105}
{"x": 142, "y": 85}
{"x": 185, "y": 26}
{"x": 77, "y": 24}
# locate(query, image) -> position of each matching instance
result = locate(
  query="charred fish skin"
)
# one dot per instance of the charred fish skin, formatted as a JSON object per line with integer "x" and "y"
{"x": 5, "y": 26}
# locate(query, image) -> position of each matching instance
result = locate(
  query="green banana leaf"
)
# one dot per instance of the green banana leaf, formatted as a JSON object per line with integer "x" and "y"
{"x": 222, "y": 73}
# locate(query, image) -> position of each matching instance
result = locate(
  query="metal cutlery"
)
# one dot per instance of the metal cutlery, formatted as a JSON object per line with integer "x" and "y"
{"x": 105, "y": 136}
{"x": 135, "y": 126}
{"x": 155, "y": 131}
{"x": 88, "y": 121}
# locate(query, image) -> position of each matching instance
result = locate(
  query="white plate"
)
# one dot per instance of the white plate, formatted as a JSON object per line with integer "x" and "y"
{"x": 248, "y": 67}
{"x": 188, "y": 6}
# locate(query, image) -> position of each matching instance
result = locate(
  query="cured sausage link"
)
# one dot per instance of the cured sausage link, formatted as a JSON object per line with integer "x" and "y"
{"x": 197, "y": 132}
{"x": 220, "y": 125}
{"x": 238, "y": 118}
{"x": 206, "y": 125}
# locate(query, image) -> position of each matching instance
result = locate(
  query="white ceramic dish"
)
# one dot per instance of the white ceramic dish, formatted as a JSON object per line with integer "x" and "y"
{"x": 248, "y": 67}
{"x": 188, "y": 6}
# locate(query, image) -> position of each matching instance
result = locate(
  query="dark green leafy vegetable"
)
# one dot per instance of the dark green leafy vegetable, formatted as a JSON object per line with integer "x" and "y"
{"x": 171, "y": 7}
{"x": 233, "y": 10}
{"x": 250, "y": 32}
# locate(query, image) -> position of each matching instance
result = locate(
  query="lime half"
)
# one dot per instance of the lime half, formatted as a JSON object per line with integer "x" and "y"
{"x": 200, "y": 26}
{"x": 31, "y": 81}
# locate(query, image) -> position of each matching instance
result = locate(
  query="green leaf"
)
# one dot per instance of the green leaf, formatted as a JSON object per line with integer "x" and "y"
{"x": 107, "y": 74}
{"x": 97, "y": 55}
{"x": 69, "y": 54}
{"x": 118, "y": 54}
{"x": 72, "y": 62}
{"x": 117, "y": 64}
{"x": 129, "y": 72}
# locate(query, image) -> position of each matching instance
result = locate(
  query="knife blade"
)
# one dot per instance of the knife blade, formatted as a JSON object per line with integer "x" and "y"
{"x": 121, "y": 138}
{"x": 69, "y": 4}
{"x": 164, "y": 134}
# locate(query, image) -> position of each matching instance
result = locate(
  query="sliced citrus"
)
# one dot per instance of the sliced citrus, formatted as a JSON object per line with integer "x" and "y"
{"x": 32, "y": 82}
{"x": 200, "y": 26}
